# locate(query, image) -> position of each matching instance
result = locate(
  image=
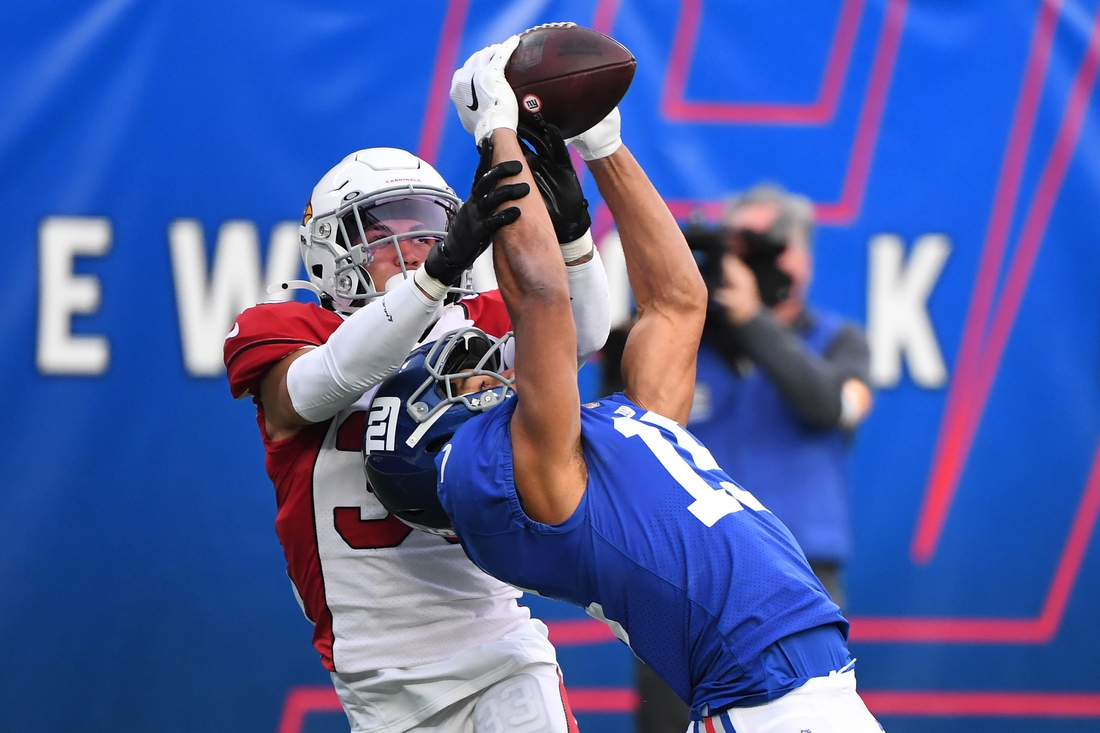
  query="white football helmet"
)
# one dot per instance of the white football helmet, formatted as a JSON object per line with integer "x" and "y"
{"x": 344, "y": 222}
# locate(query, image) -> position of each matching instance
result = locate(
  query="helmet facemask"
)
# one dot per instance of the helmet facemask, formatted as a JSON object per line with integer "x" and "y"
{"x": 454, "y": 358}
{"x": 416, "y": 412}
{"x": 340, "y": 245}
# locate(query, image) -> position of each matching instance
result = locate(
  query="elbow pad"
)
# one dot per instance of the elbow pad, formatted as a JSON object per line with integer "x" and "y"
{"x": 591, "y": 304}
{"x": 363, "y": 351}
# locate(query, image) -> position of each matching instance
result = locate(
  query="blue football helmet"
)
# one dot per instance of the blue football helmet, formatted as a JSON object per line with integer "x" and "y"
{"x": 417, "y": 410}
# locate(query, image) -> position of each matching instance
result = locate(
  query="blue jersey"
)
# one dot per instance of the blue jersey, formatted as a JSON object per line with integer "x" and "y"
{"x": 686, "y": 567}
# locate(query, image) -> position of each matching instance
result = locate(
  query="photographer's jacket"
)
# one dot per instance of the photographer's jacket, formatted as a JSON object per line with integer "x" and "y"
{"x": 767, "y": 404}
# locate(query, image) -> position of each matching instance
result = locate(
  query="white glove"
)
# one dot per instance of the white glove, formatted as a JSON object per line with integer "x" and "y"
{"x": 481, "y": 94}
{"x": 602, "y": 140}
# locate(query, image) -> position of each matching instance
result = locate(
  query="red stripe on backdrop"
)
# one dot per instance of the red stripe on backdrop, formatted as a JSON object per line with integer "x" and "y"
{"x": 301, "y": 701}
{"x": 603, "y": 699}
{"x": 1080, "y": 534}
{"x": 820, "y": 111}
{"x": 951, "y": 444}
{"x": 439, "y": 92}
{"x": 1039, "y": 630}
{"x": 982, "y": 704}
{"x": 603, "y": 19}
{"x": 844, "y": 210}
{"x": 578, "y": 632}
{"x": 848, "y": 207}
{"x": 974, "y": 378}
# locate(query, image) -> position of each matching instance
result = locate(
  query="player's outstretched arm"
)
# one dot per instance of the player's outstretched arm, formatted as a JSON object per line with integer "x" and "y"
{"x": 561, "y": 191}
{"x": 547, "y": 462}
{"x": 548, "y": 466}
{"x": 660, "y": 354}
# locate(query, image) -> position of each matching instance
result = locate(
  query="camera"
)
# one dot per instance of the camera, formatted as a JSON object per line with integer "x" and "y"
{"x": 760, "y": 251}
{"x": 707, "y": 247}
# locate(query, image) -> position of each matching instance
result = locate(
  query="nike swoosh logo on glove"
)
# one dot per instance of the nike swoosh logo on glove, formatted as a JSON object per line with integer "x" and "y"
{"x": 473, "y": 90}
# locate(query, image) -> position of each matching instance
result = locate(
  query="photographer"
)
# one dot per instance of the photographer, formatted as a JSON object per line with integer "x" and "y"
{"x": 780, "y": 386}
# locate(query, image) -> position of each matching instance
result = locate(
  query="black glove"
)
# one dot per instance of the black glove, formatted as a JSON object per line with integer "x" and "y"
{"x": 474, "y": 225}
{"x": 557, "y": 181}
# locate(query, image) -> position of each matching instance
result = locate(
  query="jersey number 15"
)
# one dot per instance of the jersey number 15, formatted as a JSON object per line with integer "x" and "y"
{"x": 711, "y": 503}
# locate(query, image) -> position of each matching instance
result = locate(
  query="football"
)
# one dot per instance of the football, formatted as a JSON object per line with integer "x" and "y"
{"x": 569, "y": 76}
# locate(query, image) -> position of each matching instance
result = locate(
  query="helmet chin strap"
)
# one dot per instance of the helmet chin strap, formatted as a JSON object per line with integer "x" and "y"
{"x": 276, "y": 288}
{"x": 423, "y": 427}
{"x": 280, "y": 287}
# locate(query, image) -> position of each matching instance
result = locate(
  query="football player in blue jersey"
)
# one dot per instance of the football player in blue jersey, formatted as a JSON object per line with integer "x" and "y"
{"x": 611, "y": 506}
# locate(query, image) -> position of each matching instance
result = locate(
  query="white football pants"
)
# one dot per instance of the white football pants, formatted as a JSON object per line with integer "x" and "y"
{"x": 529, "y": 701}
{"x": 508, "y": 685}
{"x": 822, "y": 705}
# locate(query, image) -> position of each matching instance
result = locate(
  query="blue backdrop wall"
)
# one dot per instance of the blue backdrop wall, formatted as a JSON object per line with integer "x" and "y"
{"x": 154, "y": 156}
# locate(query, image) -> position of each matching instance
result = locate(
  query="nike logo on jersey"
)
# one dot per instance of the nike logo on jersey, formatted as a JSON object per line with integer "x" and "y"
{"x": 473, "y": 92}
{"x": 234, "y": 332}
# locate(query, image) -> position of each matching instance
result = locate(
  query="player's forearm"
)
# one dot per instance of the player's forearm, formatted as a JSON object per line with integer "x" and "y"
{"x": 662, "y": 270}
{"x": 360, "y": 353}
{"x": 546, "y": 423}
{"x": 530, "y": 271}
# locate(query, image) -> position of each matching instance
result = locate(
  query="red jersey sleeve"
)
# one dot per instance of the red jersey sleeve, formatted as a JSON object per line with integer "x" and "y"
{"x": 265, "y": 333}
{"x": 488, "y": 313}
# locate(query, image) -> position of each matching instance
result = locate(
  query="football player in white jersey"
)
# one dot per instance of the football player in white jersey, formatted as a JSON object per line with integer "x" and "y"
{"x": 413, "y": 634}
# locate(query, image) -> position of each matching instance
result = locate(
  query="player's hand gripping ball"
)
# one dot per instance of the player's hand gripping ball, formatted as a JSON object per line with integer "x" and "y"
{"x": 570, "y": 77}
{"x": 481, "y": 95}
{"x": 601, "y": 140}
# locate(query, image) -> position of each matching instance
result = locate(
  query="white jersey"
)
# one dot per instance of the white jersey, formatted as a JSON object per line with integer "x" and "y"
{"x": 379, "y": 594}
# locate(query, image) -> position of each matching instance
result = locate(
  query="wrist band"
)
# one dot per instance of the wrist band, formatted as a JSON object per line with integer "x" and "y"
{"x": 604, "y": 150}
{"x": 434, "y": 288}
{"x": 577, "y": 249}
